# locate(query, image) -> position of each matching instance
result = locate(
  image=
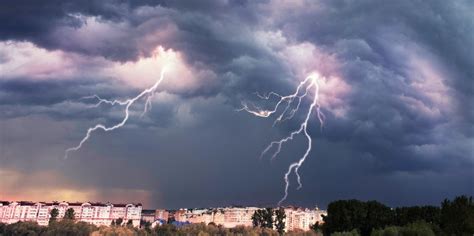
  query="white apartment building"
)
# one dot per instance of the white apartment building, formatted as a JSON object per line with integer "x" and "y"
{"x": 228, "y": 217}
{"x": 234, "y": 216}
{"x": 302, "y": 218}
{"x": 94, "y": 213}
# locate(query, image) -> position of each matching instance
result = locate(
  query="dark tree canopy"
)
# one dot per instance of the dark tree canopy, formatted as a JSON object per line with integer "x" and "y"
{"x": 406, "y": 215}
{"x": 129, "y": 223}
{"x": 280, "y": 220}
{"x": 119, "y": 221}
{"x": 268, "y": 218}
{"x": 453, "y": 218}
{"x": 53, "y": 215}
{"x": 264, "y": 218}
{"x": 257, "y": 218}
{"x": 70, "y": 214}
{"x": 457, "y": 216}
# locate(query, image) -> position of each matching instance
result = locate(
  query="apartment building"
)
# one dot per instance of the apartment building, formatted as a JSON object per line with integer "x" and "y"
{"x": 94, "y": 213}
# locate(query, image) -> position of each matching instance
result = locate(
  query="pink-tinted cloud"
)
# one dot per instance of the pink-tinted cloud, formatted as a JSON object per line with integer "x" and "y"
{"x": 27, "y": 61}
{"x": 181, "y": 78}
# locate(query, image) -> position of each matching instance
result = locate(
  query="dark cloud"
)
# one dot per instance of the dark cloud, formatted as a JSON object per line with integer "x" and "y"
{"x": 38, "y": 21}
{"x": 406, "y": 130}
{"x": 444, "y": 28}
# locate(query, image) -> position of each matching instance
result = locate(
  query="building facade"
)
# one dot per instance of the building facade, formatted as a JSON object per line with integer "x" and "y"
{"x": 302, "y": 218}
{"x": 94, "y": 213}
{"x": 161, "y": 214}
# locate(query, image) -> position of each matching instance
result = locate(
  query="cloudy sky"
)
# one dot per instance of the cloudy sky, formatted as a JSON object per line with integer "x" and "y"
{"x": 396, "y": 89}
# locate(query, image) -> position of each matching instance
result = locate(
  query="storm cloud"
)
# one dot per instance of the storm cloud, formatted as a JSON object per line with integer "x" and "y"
{"x": 397, "y": 95}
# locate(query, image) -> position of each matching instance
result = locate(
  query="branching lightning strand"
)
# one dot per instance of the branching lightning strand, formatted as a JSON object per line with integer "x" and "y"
{"x": 292, "y": 102}
{"x": 147, "y": 94}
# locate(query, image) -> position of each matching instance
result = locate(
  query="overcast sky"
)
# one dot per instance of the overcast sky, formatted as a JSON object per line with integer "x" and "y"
{"x": 396, "y": 88}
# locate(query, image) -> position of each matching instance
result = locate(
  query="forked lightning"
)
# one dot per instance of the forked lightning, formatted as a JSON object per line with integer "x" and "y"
{"x": 147, "y": 94}
{"x": 291, "y": 105}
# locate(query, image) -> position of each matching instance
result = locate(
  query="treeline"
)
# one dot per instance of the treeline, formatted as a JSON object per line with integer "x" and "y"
{"x": 63, "y": 227}
{"x": 354, "y": 217}
{"x": 71, "y": 228}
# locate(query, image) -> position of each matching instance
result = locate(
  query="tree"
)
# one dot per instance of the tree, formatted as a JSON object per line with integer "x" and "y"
{"x": 268, "y": 218}
{"x": 317, "y": 227}
{"x": 166, "y": 229}
{"x": 347, "y": 215}
{"x": 263, "y": 218}
{"x": 419, "y": 228}
{"x": 344, "y": 216}
{"x": 407, "y": 215}
{"x": 378, "y": 216}
{"x": 69, "y": 215}
{"x": 453, "y": 218}
{"x": 3, "y": 226}
{"x": 147, "y": 226}
{"x": 53, "y": 215}
{"x": 23, "y": 228}
{"x": 351, "y": 233}
{"x": 257, "y": 218}
{"x": 130, "y": 223}
{"x": 457, "y": 217}
{"x": 119, "y": 221}
{"x": 280, "y": 220}
{"x": 70, "y": 227}
{"x": 387, "y": 231}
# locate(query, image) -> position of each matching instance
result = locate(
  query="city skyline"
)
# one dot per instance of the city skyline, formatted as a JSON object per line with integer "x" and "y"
{"x": 374, "y": 98}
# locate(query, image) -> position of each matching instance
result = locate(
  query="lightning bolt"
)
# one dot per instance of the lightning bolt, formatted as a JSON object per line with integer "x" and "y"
{"x": 147, "y": 94}
{"x": 291, "y": 105}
